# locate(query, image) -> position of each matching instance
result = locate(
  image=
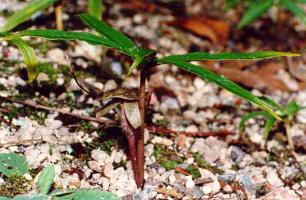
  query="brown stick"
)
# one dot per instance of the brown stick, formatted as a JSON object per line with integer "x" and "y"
{"x": 142, "y": 109}
{"x": 59, "y": 17}
{"x": 32, "y": 104}
{"x": 192, "y": 134}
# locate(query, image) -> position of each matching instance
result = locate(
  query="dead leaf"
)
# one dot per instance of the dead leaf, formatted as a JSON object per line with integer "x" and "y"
{"x": 214, "y": 29}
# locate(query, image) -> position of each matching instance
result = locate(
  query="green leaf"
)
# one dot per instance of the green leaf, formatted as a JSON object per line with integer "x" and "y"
{"x": 25, "y": 13}
{"x": 5, "y": 198}
{"x": 46, "y": 179}
{"x": 197, "y": 56}
{"x": 95, "y": 8}
{"x": 64, "y": 35}
{"x": 32, "y": 197}
{"x": 295, "y": 9}
{"x": 144, "y": 56}
{"x": 132, "y": 113}
{"x": 124, "y": 43}
{"x": 251, "y": 115}
{"x": 292, "y": 108}
{"x": 256, "y": 10}
{"x": 84, "y": 194}
{"x": 268, "y": 126}
{"x": 223, "y": 83}
{"x": 29, "y": 57}
{"x": 13, "y": 164}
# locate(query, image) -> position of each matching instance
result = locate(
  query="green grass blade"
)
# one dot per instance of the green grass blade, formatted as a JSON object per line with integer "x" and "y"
{"x": 251, "y": 115}
{"x": 268, "y": 126}
{"x": 295, "y": 9}
{"x": 64, "y": 35}
{"x": 255, "y": 11}
{"x": 125, "y": 43}
{"x": 25, "y": 13}
{"x": 95, "y": 8}
{"x": 29, "y": 57}
{"x": 223, "y": 83}
{"x": 197, "y": 56}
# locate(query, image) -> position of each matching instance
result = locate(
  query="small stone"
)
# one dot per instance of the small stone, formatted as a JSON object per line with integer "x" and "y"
{"x": 161, "y": 140}
{"x": 227, "y": 189}
{"x": 110, "y": 85}
{"x": 189, "y": 183}
{"x": 100, "y": 156}
{"x": 206, "y": 190}
{"x": 172, "y": 179}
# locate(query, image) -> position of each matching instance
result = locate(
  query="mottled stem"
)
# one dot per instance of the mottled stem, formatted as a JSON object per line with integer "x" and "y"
{"x": 131, "y": 137}
{"x": 142, "y": 108}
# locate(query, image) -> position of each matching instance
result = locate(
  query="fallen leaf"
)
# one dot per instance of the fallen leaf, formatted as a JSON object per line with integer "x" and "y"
{"x": 214, "y": 29}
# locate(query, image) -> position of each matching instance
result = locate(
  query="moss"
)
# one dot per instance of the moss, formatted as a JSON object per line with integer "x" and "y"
{"x": 15, "y": 185}
{"x": 166, "y": 158}
{"x": 162, "y": 122}
{"x": 106, "y": 146}
{"x": 194, "y": 171}
{"x": 203, "y": 164}
{"x": 122, "y": 163}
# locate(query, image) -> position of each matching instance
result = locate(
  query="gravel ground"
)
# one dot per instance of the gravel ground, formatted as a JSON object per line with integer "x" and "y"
{"x": 86, "y": 155}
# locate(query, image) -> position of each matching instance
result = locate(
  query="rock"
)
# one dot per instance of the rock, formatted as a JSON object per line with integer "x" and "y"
{"x": 227, "y": 189}
{"x": 57, "y": 55}
{"x": 281, "y": 193}
{"x": 100, "y": 156}
{"x": 206, "y": 190}
{"x": 272, "y": 177}
{"x": 169, "y": 103}
{"x": 226, "y": 177}
{"x": 110, "y": 85}
{"x": 236, "y": 154}
{"x": 53, "y": 124}
{"x": 162, "y": 140}
{"x": 172, "y": 179}
{"x": 214, "y": 186}
{"x": 189, "y": 183}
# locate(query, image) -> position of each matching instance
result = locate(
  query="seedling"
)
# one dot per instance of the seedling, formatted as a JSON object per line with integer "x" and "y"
{"x": 133, "y": 101}
{"x": 45, "y": 182}
{"x": 256, "y": 8}
{"x": 288, "y": 112}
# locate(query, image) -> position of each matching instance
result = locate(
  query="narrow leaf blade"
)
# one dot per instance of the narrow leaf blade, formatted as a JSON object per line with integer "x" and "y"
{"x": 25, "y": 13}
{"x": 268, "y": 126}
{"x": 95, "y": 8}
{"x": 255, "y": 11}
{"x": 125, "y": 43}
{"x": 29, "y": 57}
{"x": 251, "y": 115}
{"x": 295, "y": 9}
{"x": 64, "y": 35}
{"x": 224, "y": 83}
{"x": 197, "y": 56}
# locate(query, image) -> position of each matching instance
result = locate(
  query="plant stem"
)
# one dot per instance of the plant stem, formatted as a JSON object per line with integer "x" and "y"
{"x": 142, "y": 109}
{"x": 288, "y": 132}
{"x": 131, "y": 137}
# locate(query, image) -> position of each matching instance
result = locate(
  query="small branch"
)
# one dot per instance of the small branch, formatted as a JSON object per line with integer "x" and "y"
{"x": 59, "y": 17}
{"x": 192, "y": 134}
{"x": 33, "y": 104}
